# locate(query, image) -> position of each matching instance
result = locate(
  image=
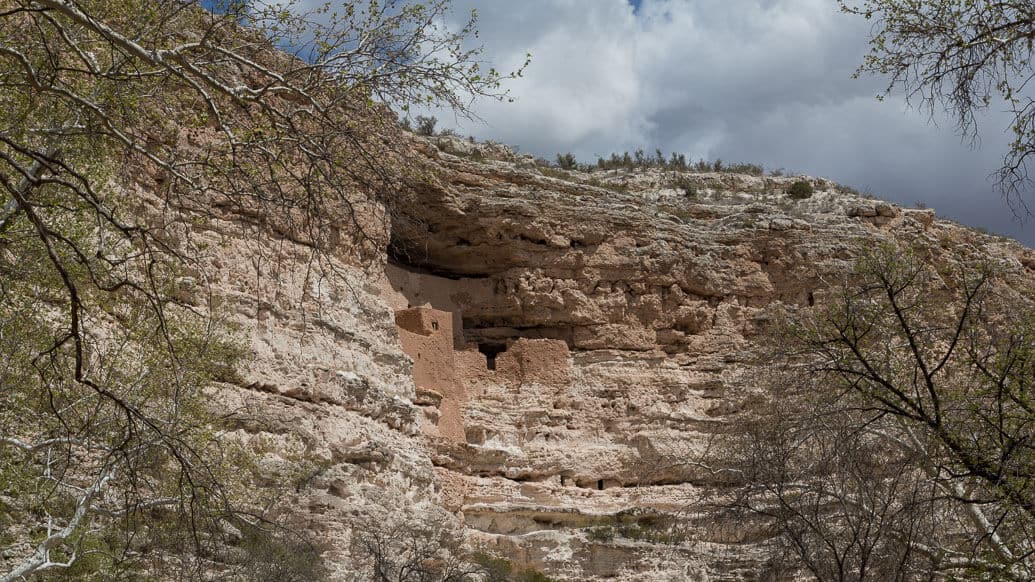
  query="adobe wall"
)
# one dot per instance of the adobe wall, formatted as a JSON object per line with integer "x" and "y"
{"x": 545, "y": 362}
{"x": 448, "y": 370}
{"x": 426, "y": 336}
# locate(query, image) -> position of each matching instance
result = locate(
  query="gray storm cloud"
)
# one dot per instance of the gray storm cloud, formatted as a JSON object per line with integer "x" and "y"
{"x": 763, "y": 81}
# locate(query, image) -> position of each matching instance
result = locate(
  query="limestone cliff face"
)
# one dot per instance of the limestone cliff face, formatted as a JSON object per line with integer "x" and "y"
{"x": 597, "y": 335}
{"x": 326, "y": 400}
{"x": 539, "y": 360}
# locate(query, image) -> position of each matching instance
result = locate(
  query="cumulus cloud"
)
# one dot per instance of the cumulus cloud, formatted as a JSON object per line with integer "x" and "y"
{"x": 764, "y": 81}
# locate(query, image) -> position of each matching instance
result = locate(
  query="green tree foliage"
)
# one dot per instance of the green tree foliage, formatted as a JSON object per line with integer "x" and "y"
{"x": 686, "y": 185}
{"x": 641, "y": 158}
{"x": 677, "y": 162}
{"x": 963, "y": 57}
{"x": 567, "y": 161}
{"x": 124, "y": 126}
{"x": 800, "y": 190}
{"x": 426, "y": 125}
{"x": 279, "y": 556}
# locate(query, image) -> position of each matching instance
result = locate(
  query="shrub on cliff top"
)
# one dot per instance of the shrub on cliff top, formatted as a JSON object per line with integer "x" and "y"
{"x": 567, "y": 161}
{"x": 426, "y": 125}
{"x": 800, "y": 190}
{"x": 684, "y": 184}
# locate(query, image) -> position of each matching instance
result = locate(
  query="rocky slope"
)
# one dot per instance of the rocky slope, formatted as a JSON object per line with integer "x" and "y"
{"x": 539, "y": 359}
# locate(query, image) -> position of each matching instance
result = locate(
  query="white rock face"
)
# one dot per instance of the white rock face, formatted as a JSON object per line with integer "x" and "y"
{"x": 327, "y": 397}
{"x": 617, "y": 323}
{"x": 597, "y": 326}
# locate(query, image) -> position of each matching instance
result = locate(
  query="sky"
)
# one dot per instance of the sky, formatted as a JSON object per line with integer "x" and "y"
{"x": 761, "y": 81}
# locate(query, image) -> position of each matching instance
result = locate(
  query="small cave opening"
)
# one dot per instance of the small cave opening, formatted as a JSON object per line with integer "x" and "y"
{"x": 419, "y": 259}
{"x": 490, "y": 351}
{"x": 598, "y": 484}
{"x": 590, "y": 483}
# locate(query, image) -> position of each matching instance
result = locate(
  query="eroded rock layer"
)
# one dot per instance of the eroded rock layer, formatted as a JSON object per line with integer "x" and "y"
{"x": 598, "y": 324}
{"x": 538, "y": 359}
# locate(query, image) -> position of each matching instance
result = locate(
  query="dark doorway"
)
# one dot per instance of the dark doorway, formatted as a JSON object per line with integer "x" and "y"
{"x": 491, "y": 351}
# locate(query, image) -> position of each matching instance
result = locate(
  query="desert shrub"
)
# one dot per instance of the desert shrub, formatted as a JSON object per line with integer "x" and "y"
{"x": 847, "y": 189}
{"x": 746, "y": 168}
{"x": 800, "y": 190}
{"x": 531, "y": 576}
{"x": 280, "y": 557}
{"x": 619, "y": 187}
{"x": 306, "y": 472}
{"x": 684, "y": 184}
{"x": 426, "y": 124}
{"x": 601, "y": 533}
{"x": 567, "y": 161}
{"x": 394, "y": 548}
{"x": 495, "y": 569}
{"x": 652, "y": 528}
{"x": 676, "y": 161}
{"x": 552, "y": 172}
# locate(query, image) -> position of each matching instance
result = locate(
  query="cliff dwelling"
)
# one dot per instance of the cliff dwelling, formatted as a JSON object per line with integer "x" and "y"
{"x": 456, "y": 358}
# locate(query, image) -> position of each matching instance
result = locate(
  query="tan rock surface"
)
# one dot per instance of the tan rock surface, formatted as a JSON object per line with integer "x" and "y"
{"x": 624, "y": 320}
{"x": 539, "y": 357}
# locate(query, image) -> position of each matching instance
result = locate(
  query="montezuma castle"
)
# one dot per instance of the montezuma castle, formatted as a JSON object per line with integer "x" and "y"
{"x": 531, "y": 358}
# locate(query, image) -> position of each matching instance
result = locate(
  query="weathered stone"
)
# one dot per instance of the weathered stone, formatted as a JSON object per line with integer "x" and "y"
{"x": 660, "y": 318}
{"x": 863, "y": 210}
{"x": 552, "y": 353}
